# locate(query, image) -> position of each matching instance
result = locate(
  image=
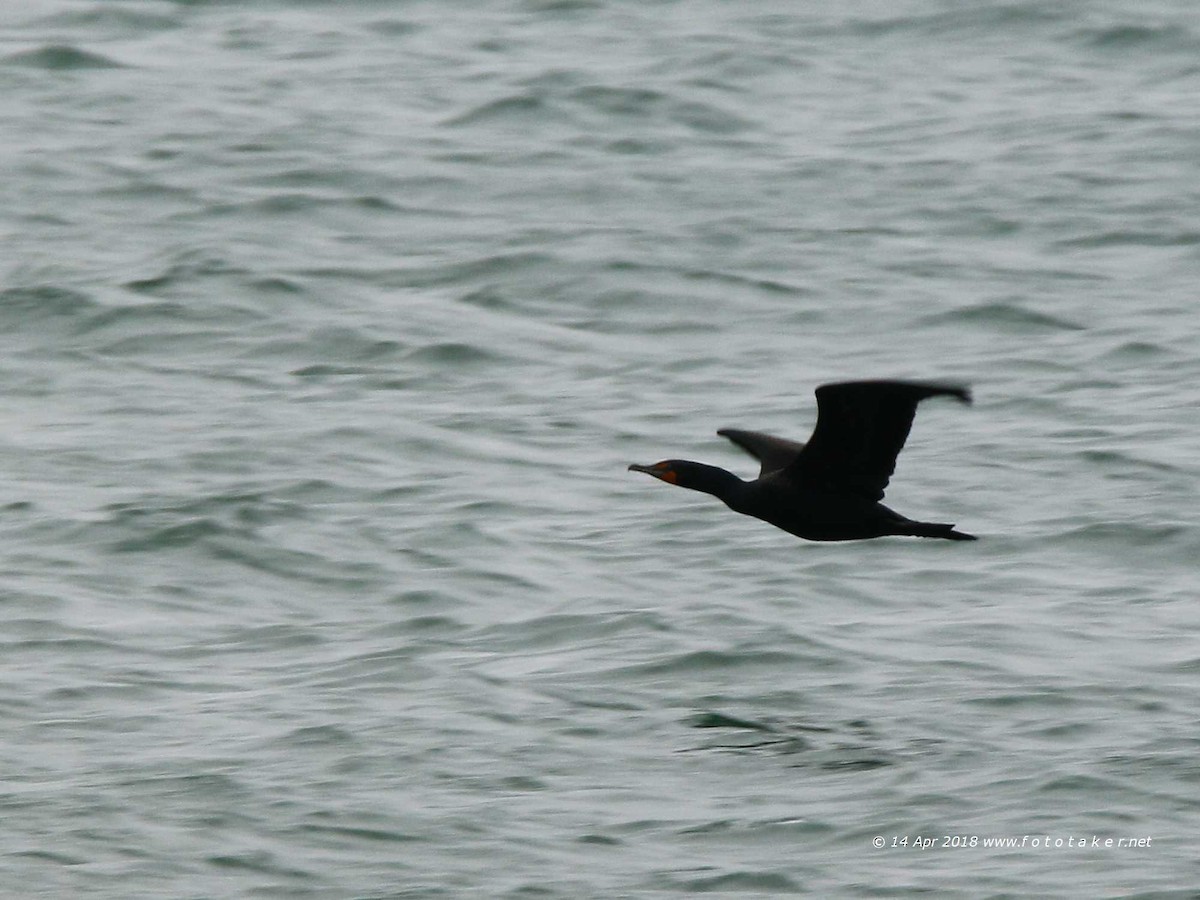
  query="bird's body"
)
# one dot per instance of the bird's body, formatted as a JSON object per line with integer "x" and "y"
{"x": 828, "y": 489}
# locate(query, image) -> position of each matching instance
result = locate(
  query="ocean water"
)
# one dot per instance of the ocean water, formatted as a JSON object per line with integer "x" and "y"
{"x": 328, "y": 330}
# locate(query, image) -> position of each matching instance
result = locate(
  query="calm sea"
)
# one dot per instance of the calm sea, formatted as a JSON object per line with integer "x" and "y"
{"x": 328, "y": 330}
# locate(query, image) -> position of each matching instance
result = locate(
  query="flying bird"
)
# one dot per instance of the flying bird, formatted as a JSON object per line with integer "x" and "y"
{"x": 828, "y": 489}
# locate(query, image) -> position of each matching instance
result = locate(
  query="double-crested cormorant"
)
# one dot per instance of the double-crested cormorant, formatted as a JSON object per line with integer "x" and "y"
{"x": 828, "y": 489}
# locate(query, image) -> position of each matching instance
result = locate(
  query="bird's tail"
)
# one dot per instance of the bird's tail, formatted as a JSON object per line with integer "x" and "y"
{"x": 937, "y": 530}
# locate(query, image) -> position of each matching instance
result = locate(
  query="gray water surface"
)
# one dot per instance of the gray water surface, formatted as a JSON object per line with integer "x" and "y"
{"x": 327, "y": 332}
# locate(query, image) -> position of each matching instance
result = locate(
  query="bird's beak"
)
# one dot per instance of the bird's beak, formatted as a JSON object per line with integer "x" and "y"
{"x": 658, "y": 470}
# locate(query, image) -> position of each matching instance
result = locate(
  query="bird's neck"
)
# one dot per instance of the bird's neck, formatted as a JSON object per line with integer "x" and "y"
{"x": 714, "y": 480}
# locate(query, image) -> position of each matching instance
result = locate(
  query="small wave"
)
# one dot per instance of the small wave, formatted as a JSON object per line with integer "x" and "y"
{"x": 316, "y": 736}
{"x": 766, "y": 285}
{"x": 565, "y": 629}
{"x": 514, "y": 109}
{"x": 352, "y": 834}
{"x": 450, "y": 353}
{"x": 277, "y": 285}
{"x": 171, "y": 536}
{"x": 1005, "y": 316}
{"x": 61, "y": 57}
{"x": 291, "y": 565}
{"x": 223, "y": 525}
{"x": 619, "y": 101}
{"x": 488, "y": 267}
{"x": 335, "y": 350}
{"x": 261, "y": 862}
{"x": 139, "y": 317}
{"x": 430, "y": 625}
{"x": 562, "y": 6}
{"x": 771, "y": 883}
{"x": 1132, "y": 239}
{"x": 19, "y": 306}
{"x": 968, "y": 18}
{"x": 184, "y": 269}
{"x": 255, "y": 640}
{"x": 819, "y": 747}
{"x": 116, "y": 19}
{"x": 637, "y": 147}
{"x": 1132, "y": 351}
{"x": 1083, "y": 785}
{"x": 1189, "y": 667}
{"x": 1137, "y": 37}
{"x": 1047, "y": 697}
{"x": 603, "y": 840}
{"x": 325, "y": 370}
{"x": 50, "y": 856}
{"x": 1129, "y": 534}
{"x": 705, "y": 662}
{"x": 66, "y": 645}
{"x": 709, "y": 118}
{"x": 1119, "y": 462}
{"x": 721, "y": 720}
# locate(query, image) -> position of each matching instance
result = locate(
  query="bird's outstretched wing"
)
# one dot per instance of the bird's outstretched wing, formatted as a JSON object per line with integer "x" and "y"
{"x": 861, "y": 428}
{"x": 773, "y": 452}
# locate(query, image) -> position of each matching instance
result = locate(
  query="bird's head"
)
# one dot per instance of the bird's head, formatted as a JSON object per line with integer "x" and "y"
{"x": 667, "y": 470}
{"x": 693, "y": 475}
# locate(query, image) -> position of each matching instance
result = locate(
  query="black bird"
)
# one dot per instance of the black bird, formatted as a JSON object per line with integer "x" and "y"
{"x": 828, "y": 489}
